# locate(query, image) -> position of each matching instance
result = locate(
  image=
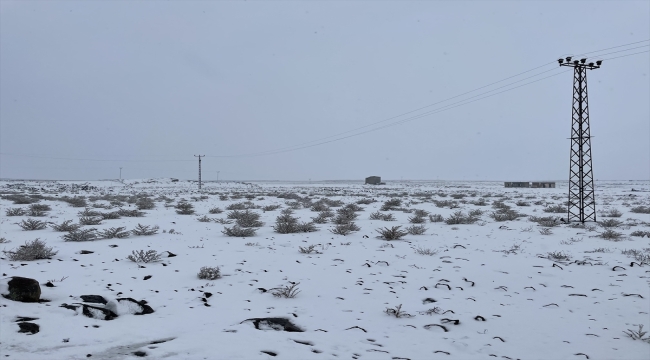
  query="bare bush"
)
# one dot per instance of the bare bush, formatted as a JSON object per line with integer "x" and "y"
{"x": 184, "y": 208}
{"x": 425, "y": 251}
{"x": 246, "y": 218}
{"x": 67, "y": 225}
{"x": 558, "y": 256}
{"x": 270, "y": 207}
{"x": 558, "y": 209}
{"x": 130, "y": 213}
{"x": 204, "y": 218}
{"x": 140, "y": 256}
{"x": 145, "y": 203}
{"x": 522, "y": 203}
{"x": 215, "y": 210}
{"x": 460, "y": 218}
{"x": 209, "y": 273}
{"x": 90, "y": 220}
{"x": 394, "y": 233}
{"x": 391, "y": 204}
{"x": 417, "y": 219}
{"x": 610, "y": 234}
{"x": 144, "y": 230}
{"x": 640, "y": 210}
{"x": 416, "y": 229}
{"x": 546, "y": 231}
{"x": 76, "y": 201}
{"x": 237, "y": 231}
{"x": 113, "y": 215}
{"x": 81, "y": 235}
{"x": 32, "y": 250}
{"x": 366, "y": 201}
{"x": 32, "y": 224}
{"x": 436, "y": 218}
{"x": 505, "y": 215}
{"x": 614, "y": 213}
{"x": 223, "y": 221}
{"x": 397, "y": 312}
{"x": 640, "y": 233}
{"x": 308, "y": 250}
{"x": 345, "y": 229}
{"x": 610, "y": 223}
{"x": 287, "y": 291}
{"x": 115, "y": 232}
{"x": 15, "y": 212}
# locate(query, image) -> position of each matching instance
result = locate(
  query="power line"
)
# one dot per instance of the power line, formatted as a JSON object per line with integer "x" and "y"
{"x": 301, "y": 145}
{"x": 338, "y": 137}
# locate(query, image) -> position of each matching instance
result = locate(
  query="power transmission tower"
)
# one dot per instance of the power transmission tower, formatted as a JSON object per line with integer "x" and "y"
{"x": 582, "y": 199}
{"x": 199, "y": 156}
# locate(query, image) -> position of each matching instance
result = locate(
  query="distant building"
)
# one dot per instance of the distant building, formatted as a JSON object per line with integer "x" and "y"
{"x": 373, "y": 180}
{"x": 517, "y": 184}
{"x": 543, "y": 184}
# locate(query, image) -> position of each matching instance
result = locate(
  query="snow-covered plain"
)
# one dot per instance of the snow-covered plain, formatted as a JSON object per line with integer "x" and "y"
{"x": 511, "y": 300}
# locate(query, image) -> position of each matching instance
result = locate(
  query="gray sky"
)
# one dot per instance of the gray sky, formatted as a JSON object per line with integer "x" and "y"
{"x": 161, "y": 81}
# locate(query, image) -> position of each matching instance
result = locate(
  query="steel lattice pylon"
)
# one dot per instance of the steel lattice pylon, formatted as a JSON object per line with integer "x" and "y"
{"x": 582, "y": 199}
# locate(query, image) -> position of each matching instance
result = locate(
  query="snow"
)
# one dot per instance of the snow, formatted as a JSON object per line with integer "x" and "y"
{"x": 534, "y": 307}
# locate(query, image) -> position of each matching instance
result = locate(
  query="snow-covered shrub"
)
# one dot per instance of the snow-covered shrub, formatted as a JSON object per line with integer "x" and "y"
{"x": 140, "y": 256}
{"x": 115, "y": 232}
{"x": 145, "y": 203}
{"x": 209, "y": 273}
{"x": 287, "y": 291}
{"x": 144, "y": 230}
{"x": 67, "y": 225}
{"x": 32, "y": 250}
{"x": 184, "y": 208}
{"x": 425, "y": 251}
{"x": 15, "y": 212}
{"x": 610, "y": 223}
{"x": 391, "y": 204}
{"x": 90, "y": 220}
{"x": 32, "y": 224}
{"x": 614, "y": 213}
{"x": 237, "y": 231}
{"x": 130, "y": 213}
{"x": 610, "y": 234}
{"x": 215, "y": 210}
{"x": 416, "y": 229}
{"x": 394, "y": 233}
{"x": 345, "y": 229}
{"x": 640, "y": 210}
{"x": 81, "y": 235}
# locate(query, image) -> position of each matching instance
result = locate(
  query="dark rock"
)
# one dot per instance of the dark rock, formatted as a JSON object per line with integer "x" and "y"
{"x": 270, "y": 353}
{"x": 85, "y": 252}
{"x": 70, "y": 307}
{"x": 147, "y": 277}
{"x": 99, "y": 313}
{"x": 27, "y": 327}
{"x": 23, "y": 289}
{"x": 140, "y": 353}
{"x": 142, "y": 304}
{"x": 49, "y": 284}
{"x": 279, "y": 324}
{"x": 95, "y": 299}
{"x": 170, "y": 254}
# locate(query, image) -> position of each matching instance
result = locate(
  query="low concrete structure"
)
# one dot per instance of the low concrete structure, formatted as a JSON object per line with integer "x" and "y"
{"x": 543, "y": 184}
{"x": 517, "y": 184}
{"x": 373, "y": 180}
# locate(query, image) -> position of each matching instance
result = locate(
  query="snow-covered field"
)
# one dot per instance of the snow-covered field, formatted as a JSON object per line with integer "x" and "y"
{"x": 500, "y": 289}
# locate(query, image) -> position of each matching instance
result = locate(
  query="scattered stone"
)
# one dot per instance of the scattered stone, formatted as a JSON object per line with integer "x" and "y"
{"x": 27, "y": 327}
{"x": 278, "y": 324}
{"x": 85, "y": 252}
{"x": 129, "y": 306}
{"x": 95, "y": 299}
{"x": 170, "y": 254}
{"x": 49, "y": 284}
{"x": 147, "y": 277}
{"x": 270, "y": 353}
{"x": 140, "y": 353}
{"x": 99, "y": 313}
{"x": 23, "y": 289}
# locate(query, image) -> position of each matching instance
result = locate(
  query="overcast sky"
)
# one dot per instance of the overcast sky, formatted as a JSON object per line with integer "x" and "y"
{"x": 89, "y": 87}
